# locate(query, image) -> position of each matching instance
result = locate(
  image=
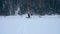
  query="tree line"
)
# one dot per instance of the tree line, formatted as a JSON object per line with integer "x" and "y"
{"x": 40, "y": 7}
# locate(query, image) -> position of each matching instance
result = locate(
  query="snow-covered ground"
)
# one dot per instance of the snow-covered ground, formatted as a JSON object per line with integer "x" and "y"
{"x": 34, "y": 25}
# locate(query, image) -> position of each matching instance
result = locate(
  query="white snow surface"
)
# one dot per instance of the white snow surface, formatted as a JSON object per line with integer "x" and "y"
{"x": 34, "y": 25}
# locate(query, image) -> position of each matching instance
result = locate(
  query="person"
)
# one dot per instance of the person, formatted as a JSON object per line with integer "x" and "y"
{"x": 28, "y": 12}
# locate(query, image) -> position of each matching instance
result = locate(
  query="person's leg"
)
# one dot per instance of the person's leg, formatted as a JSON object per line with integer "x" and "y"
{"x": 28, "y": 16}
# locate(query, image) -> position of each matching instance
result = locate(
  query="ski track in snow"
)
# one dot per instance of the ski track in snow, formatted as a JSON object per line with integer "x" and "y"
{"x": 34, "y": 25}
